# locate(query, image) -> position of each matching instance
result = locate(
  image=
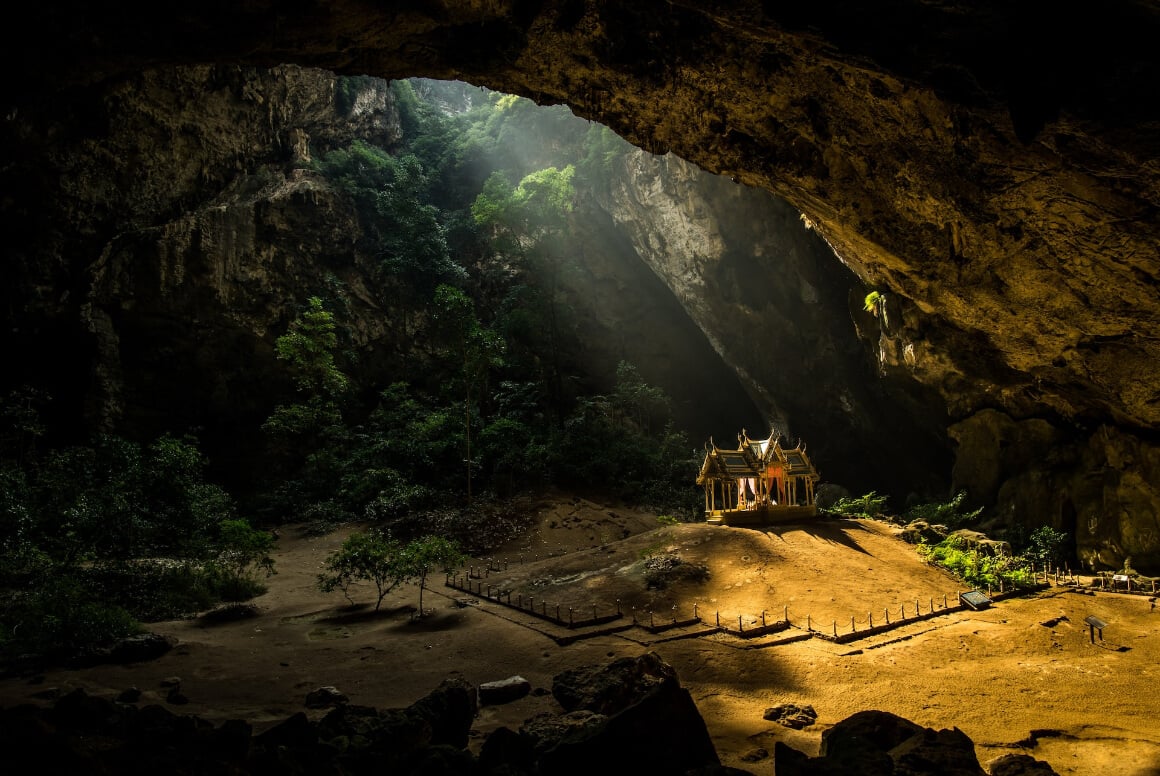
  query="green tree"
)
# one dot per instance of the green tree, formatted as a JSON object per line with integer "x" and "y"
{"x": 1047, "y": 545}
{"x": 427, "y": 553}
{"x": 372, "y": 557}
{"x": 314, "y": 423}
{"x": 476, "y": 348}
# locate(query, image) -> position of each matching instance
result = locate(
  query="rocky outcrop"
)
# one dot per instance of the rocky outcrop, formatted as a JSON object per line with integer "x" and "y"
{"x": 780, "y": 311}
{"x": 878, "y": 743}
{"x": 655, "y": 729}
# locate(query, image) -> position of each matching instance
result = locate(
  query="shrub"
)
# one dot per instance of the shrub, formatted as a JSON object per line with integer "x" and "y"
{"x": 948, "y": 513}
{"x": 59, "y": 619}
{"x": 867, "y": 505}
{"x": 977, "y": 569}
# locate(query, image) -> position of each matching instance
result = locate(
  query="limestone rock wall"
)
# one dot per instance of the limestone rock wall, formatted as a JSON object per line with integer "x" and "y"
{"x": 776, "y": 306}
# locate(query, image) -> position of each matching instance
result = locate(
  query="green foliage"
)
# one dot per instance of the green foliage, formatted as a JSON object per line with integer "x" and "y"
{"x": 668, "y": 520}
{"x": 948, "y": 513}
{"x": 429, "y": 553}
{"x": 308, "y": 348}
{"x": 244, "y": 552}
{"x": 980, "y": 570}
{"x": 1047, "y": 545}
{"x": 377, "y": 558}
{"x": 98, "y": 536}
{"x": 371, "y": 557}
{"x": 60, "y": 617}
{"x": 872, "y": 302}
{"x": 868, "y": 505}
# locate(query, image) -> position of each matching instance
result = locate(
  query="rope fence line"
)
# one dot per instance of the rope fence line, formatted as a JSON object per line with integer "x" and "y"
{"x": 596, "y": 618}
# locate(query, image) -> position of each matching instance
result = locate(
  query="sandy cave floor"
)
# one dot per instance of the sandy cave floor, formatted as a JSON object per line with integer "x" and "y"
{"x": 998, "y": 674}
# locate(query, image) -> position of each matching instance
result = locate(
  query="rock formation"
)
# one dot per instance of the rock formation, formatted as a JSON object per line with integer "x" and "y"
{"x": 630, "y": 716}
{"x": 991, "y": 170}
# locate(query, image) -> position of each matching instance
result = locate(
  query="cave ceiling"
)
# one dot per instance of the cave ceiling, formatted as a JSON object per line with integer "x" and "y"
{"x": 991, "y": 165}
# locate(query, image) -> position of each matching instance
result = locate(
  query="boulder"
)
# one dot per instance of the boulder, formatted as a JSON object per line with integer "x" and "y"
{"x": 921, "y": 531}
{"x": 652, "y": 725}
{"x": 503, "y": 691}
{"x": 450, "y": 709}
{"x": 611, "y": 688}
{"x": 791, "y": 715}
{"x": 1020, "y": 765}
{"x": 325, "y": 697}
{"x": 878, "y": 743}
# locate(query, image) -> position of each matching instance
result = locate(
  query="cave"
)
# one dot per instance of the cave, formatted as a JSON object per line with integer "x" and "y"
{"x": 991, "y": 171}
{"x": 988, "y": 173}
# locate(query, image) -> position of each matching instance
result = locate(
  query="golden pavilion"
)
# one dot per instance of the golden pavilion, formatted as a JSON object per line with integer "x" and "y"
{"x": 759, "y": 482}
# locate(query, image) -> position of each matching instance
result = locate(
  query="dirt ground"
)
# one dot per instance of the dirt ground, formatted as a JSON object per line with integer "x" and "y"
{"x": 1022, "y": 665}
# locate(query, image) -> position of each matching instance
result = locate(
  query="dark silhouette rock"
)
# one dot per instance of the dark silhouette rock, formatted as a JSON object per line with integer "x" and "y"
{"x": 1020, "y": 765}
{"x": 129, "y": 695}
{"x": 506, "y": 751}
{"x": 450, "y": 709}
{"x": 612, "y": 688}
{"x": 325, "y": 697}
{"x": 654, "y": 726}
{"x": 878, "y": 743}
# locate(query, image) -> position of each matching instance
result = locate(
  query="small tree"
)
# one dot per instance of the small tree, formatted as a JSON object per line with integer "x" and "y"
{"x": 1047, "y": 545}
{"x": 430, "y": 552}
{"x": 374, "y": 557}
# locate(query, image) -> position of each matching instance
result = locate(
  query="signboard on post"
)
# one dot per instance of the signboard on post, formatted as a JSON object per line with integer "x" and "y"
{"x": 1095, "y": 624}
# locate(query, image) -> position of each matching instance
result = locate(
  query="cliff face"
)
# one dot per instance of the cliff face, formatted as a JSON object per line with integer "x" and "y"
{"x": 991, "y": 169}
{"x": 185, "y": 233}
{"x": 782, "y": 312}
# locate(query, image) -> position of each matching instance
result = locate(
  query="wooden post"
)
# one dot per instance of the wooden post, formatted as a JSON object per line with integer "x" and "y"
{"x": 932, "y": 604}
{"x": 785, "y": 615}
{"x": 520, "y": 601}
{"x": 887, "y": 612}
{"x": 569, "y": 616}
{"x": 870, "y": 618}
{"x": 558, "y": 611}
{"x": 740, "y": 626}
{"x": 695, "y": 617}
{"x": 853, "y": 629}
{"x": 763, "y": 618}
{"x": 617, "y": 607}
{"x": 835, "y": 629}
{"x": 718, "y": 619}
{"x": 809, "y": 627}
{"x": 489, "y": 591}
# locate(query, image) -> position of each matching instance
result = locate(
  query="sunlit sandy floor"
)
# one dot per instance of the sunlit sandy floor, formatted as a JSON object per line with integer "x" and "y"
{"x": 997, "y": 674}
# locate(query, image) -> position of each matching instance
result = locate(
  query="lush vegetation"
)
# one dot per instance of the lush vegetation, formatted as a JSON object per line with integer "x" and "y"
{"x": 868, "y": 505}
{"x": 99, "y": 536}
{"x": 469, "y": 219}
{"x": 978, "y": 568}
{"x": 478, "y": 394}
{"x": 949, "y": 513}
